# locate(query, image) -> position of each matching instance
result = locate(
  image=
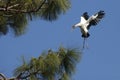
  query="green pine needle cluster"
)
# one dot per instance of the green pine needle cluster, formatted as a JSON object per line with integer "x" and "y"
{"x": 15, "y": 14}
{"x": 54, "y": 65}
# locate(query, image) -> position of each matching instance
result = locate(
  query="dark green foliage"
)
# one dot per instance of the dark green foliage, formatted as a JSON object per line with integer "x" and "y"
{"x": 54, "y": 8}
{"x": 3, "y": 25}
{"x": 14, "y": 14}
{"x": 52, "y": 66}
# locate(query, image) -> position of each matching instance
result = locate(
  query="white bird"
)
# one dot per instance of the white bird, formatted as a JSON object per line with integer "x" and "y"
{"x": 86, "y": 22}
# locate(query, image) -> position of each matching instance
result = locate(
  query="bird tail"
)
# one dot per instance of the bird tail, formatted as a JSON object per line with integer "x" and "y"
{"x": 85, "y": 35}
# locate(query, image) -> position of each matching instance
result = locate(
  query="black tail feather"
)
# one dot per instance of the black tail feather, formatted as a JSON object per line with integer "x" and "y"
{"x": 85, "y": 35}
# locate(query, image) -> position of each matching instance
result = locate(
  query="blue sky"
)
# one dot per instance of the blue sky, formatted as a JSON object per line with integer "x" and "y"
{"x": 100, "y": 62}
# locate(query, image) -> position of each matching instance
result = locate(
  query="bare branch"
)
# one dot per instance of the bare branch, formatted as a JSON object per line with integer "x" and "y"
{"x": 10, "y": 8}
{"x": 3, "y": 76}
{"x": 25, "y": 77}
{"x": 2, "y": 9}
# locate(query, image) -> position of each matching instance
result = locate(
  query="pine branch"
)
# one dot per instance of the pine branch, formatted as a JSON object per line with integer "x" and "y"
{"x": 27, "y": 76}
{"x": 2, "y": 75}
{"x": 10, "y": 8}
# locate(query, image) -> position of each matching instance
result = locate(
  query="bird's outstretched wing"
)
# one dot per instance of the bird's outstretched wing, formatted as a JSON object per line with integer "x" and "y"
{"x": 94, "y": 19}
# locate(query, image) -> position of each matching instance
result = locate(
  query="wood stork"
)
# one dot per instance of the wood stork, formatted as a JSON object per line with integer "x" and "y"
{"x": 86, "y": 22}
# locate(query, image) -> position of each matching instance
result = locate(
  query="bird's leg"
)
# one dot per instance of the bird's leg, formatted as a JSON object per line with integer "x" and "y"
{"x": 85, "y": 44}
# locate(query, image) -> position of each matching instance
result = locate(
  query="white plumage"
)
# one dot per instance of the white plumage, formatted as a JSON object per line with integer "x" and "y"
{"x": 86, "y": 22}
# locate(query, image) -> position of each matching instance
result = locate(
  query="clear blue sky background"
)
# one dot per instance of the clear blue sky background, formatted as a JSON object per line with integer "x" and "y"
{"x": 100, "y": 62}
